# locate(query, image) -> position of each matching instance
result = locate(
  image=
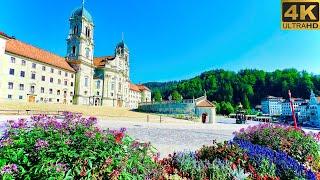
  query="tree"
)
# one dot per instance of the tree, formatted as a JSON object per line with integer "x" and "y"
{"x": 226, "y": 108}
{"x": 176, "y": 96}
{"x": 248, "y": 86}
{"x": 157, "y": 95}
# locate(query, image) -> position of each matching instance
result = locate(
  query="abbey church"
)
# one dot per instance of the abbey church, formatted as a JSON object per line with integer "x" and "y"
{"x": 31, "y": 74}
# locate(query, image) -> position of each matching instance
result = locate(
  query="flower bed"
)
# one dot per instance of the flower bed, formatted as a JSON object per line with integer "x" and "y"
{"x": 259, "y": 152}
{"x": 73, "y": 148}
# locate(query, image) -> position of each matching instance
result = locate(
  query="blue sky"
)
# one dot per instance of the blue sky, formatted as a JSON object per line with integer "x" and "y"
{"x": 172, "y": 40}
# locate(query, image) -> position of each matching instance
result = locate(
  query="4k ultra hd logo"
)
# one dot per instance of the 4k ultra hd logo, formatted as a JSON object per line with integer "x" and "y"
{"x": 300, "y": 14}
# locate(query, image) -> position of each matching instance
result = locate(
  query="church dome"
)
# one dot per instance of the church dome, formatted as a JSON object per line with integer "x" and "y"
{"x": 82, "y": 12}
{"x": 122, "y": 45}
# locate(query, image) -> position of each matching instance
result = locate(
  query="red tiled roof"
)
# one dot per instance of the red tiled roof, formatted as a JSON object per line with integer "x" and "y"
{"x": 101, "y": 61}
{"x": 143, "y": 87}
{"x": 4, "y": 35}
{"x": 19, "y": 48}
{"x": 205, "y": 103}
{"x": 134, "y": 87}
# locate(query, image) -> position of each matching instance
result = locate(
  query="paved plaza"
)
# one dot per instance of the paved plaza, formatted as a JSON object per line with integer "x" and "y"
{"x": 170, "y": 135}
{"x": 173, "y": 135}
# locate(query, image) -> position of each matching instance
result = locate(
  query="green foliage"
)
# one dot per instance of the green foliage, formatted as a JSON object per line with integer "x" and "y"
{"x": 176, "y": 96}
{"x": 157, "y": 96}
{"x": 266, "y": 168}
{"x": 226, "y": 108}
{"x": 246, "y": 86}
{"x": 219, "y": 170}
{"x": 72, "y": 149}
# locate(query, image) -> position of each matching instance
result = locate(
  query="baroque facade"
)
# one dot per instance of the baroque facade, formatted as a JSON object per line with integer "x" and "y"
{"x": 31, "y": 74}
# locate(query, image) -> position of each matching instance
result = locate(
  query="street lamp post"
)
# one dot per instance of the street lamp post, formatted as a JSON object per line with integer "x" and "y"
{"x": 292, "y": 111}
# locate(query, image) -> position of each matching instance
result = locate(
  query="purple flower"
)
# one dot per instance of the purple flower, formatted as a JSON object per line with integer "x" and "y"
{"x": 41, "y": 144}
{"x": 90, "y": 121}
{"x": 287, "y": 167}
{"x": 9, "y": 169}
{"x": 123, "y": 130}
{"x": 61, "y": 167}
{"x": 21, "y": 123}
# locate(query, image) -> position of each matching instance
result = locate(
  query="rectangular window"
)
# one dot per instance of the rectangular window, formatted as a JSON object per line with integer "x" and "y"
{"x": 43, "y": 78}
{"x": 9, "y": 96}
{"x": 33, "y": 76}
{"x": 52, "y": 70}
{"x": 58, "y": 92}
{"x": 23, "y": 62}
{"x": 11, "y": 71}
{"x": 58, "y": 100}
{"x": 22, "y": 74}
{"x": 59, "y": 81}
{"x": 112, "y": 86}
{"x": 86, "y": 81}
{"x": 72, "y": 76}
{"x": 43, "y": 68}
{"x": 66, "y": 74}
{"x": 59, "y": 72}
{"x": 13, "y": 60}
{"x": 71, "y": 93}
{"x": 71, "y": 84}
{"x": 50, "y": 99}
{"x": 42, "y": 89}
{"x": 98, "y": 84}
{"x": 20, "y": 97}
{"x": 21, "y": 87}
{"x": 65, "y": 83}
{"x": 51, "y": 80}
{"x": 50, "y": 91}
{"x": 10, "y": 85}
{"x": 34, "y": 65}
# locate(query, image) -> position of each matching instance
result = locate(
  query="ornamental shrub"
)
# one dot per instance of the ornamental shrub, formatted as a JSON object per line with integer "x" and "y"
{"x": 286, "y": 166}
{"x": 44, "y": 147}
{"x": 296, "y": 143}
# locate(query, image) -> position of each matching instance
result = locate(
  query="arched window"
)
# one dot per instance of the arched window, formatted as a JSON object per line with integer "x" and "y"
{"x": 87, "y": 52}
{"x": 86, "y": 81}
{"x": 75, "y": 29}
{"x": 73, "y": 50}
{"x": 98, "y": 84}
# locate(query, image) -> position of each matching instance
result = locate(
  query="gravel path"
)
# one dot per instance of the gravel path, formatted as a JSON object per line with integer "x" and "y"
{"x": 170, "y": 137}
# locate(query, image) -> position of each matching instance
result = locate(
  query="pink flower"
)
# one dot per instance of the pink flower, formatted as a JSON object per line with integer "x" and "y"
{"x": 40, "y": 144}
{"x": 89, "y": 134}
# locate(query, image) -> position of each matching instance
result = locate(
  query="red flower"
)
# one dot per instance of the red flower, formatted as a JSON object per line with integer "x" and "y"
{"x": 118, "y": 137}
{"x": 309, "y": 158}
{"x": 233, "y": 166}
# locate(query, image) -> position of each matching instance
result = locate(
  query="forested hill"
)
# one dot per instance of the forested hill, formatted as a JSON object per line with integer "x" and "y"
{"x": 246, "y": 86}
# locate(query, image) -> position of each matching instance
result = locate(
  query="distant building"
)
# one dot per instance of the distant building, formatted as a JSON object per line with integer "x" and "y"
{"x": 272, "y": 105}
{"x": 138, "y": 94}
{"x": 286, "y": 107}
{"x": 200, "y": 107}
{"x": 314, "y": 110}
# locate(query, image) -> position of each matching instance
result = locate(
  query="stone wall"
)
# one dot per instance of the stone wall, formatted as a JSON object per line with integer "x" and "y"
{"x": 168, "y": 108}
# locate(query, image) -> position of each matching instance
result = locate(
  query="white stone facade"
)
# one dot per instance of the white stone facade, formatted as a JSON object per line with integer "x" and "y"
{"x": 272, "y": 105}
{"x": 26, "y": 80}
